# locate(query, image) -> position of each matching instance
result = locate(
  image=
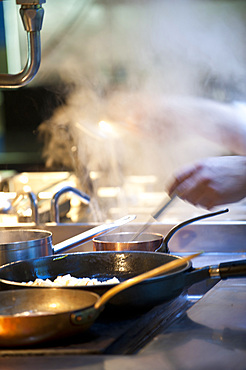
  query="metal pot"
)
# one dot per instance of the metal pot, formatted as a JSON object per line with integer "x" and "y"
{"x": 144, "y": 241}
{"x": 57, "y": 313}
{"x": 124, "y": 242}
{"x": 22, "y": 244}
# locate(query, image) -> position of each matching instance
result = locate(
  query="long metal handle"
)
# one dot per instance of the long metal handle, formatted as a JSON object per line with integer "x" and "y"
{"x": 164, "y": 246}
{"x": 191, "y": 220}
{"x": 89, "y": 234}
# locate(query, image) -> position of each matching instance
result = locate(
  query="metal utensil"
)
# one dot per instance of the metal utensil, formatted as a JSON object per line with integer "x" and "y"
{"x": 157, "y": 213}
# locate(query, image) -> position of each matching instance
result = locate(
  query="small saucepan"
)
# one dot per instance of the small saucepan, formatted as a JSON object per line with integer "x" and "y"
{"x": 21, "y": 244}
{"x": 144, "y": 241}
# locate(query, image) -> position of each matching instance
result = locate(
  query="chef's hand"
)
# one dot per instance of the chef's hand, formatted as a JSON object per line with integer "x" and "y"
{"x": 212, "y": 181}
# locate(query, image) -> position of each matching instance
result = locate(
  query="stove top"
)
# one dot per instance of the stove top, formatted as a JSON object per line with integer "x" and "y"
{"x": 116, "y": 333}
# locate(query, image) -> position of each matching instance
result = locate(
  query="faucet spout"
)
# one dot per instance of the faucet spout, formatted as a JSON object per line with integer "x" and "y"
{"x": 54, "y": 216}
{"x": 32, "y": 14}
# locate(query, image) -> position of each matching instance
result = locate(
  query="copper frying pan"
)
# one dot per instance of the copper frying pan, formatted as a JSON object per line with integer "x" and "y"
{"x": 32, "y": 316}
{"x": 57, "y": 312}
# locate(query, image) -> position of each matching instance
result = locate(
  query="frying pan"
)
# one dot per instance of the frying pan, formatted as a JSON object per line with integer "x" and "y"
{"x": 20, "y": 244}
{"x": 106, "y": 265}
{"x": 57, "y": 313}
{"x": 31, "y": 316}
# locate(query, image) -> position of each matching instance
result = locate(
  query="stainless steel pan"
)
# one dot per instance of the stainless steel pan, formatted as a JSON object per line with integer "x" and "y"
{"x": 21, "y": 244}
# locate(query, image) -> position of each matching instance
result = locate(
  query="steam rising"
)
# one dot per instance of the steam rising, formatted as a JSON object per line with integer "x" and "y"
{"x": 151, "y": 70}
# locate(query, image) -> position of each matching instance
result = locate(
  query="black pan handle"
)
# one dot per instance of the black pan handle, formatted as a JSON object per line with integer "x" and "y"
{"x": 164, "y": 247}
{"x": 224, "y": 270}
{"x": 233, "y": 269}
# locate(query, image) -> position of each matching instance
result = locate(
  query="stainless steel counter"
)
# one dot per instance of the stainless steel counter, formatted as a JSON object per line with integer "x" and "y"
{"x": 212, "y": 334}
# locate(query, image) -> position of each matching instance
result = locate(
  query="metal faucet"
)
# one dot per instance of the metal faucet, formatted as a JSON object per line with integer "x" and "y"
{"x": 54, "y": 210}
{"x": 32, "y": 13}
{"x": 34, "y": 204}
{"x": 34, "y": 207}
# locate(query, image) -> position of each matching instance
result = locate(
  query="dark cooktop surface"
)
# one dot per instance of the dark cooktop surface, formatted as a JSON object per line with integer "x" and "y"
{"x": 114, "y": 332}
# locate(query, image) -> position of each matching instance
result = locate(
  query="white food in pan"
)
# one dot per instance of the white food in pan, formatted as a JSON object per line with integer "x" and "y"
{"x": 68, "y": 280}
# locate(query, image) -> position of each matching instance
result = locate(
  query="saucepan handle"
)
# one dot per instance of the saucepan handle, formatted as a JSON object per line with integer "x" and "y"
{"x": 164, "y": 246}
{"x": 89, "y": 234}
{"x": 191, "y": 220}
{"x": 224, "y": 270}
{"x": 231, "y": 269}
